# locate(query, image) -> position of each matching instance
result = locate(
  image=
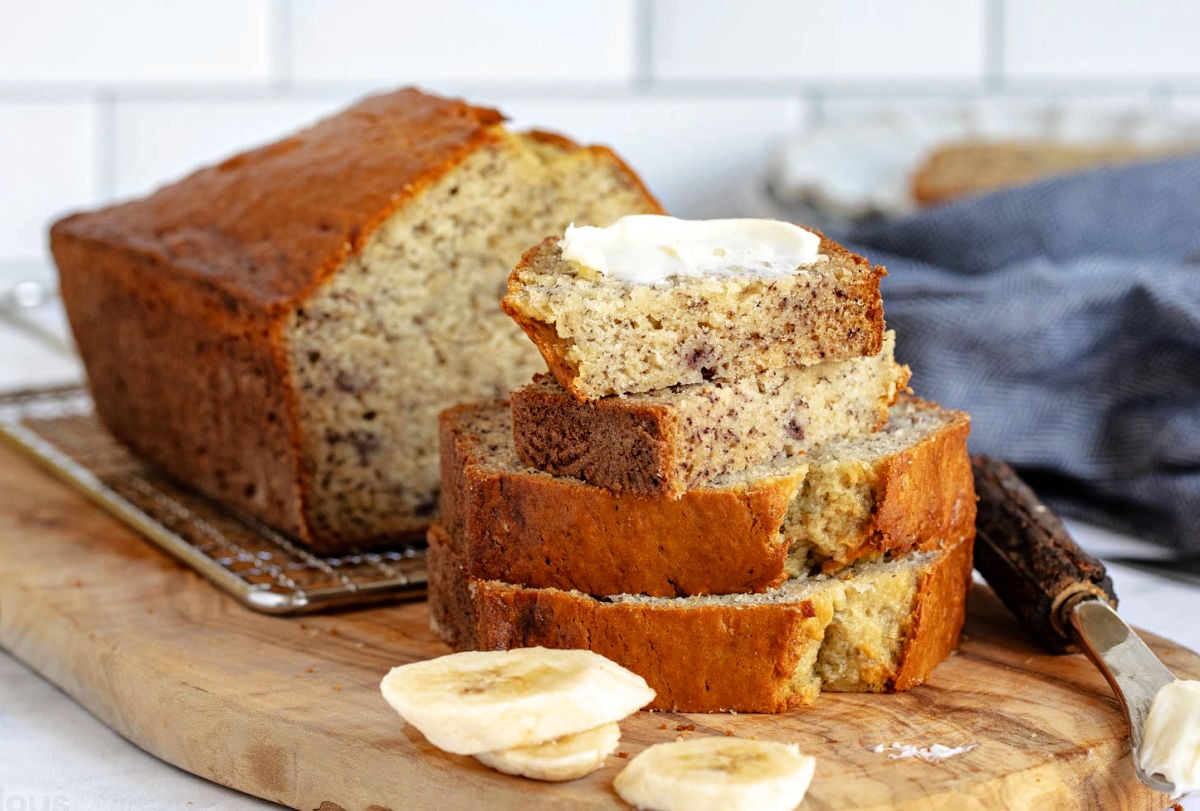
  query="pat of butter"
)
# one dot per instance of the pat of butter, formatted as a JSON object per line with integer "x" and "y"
{"x": 650, "y": 248}
{"x": 1171, "y": 736}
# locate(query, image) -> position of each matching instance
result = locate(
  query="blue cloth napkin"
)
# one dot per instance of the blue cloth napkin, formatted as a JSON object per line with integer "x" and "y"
{"x": 1065, "y": 317}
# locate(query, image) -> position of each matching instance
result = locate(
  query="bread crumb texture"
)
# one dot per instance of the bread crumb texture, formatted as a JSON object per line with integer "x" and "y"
{"x": 669, "y": 441}
{"x": 603, "y": 336}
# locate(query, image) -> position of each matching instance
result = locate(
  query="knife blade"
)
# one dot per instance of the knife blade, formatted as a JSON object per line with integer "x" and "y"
{"x": 1062, "y": 595}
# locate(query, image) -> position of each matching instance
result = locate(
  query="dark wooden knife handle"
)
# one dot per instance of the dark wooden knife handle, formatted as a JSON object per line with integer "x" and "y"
{"x": 1026, "y": 556}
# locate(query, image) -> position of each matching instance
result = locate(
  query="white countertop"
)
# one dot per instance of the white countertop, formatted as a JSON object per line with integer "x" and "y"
{"x": 54, "y": 756}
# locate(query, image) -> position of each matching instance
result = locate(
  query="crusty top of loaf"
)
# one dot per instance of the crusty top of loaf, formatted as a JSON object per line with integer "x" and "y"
{"x": 268, "y": 225}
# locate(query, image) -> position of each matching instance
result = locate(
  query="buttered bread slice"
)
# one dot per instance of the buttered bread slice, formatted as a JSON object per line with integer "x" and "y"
{"x": 905, "y": 487}
{"x": 666, "y": 442}
{"x": 877, "y": 626}
{"x": 653, "y": 302}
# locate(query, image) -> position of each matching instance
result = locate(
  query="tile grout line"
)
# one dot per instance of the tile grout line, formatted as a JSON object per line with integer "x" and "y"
{"x": 643, "y": 45}
{"x": 815, "y": 103}
{"x": 105, "y": 149}
{"x": 994, "y": 45}
{"x": 1161, "y": 87}
{"x": 281, "y": 56}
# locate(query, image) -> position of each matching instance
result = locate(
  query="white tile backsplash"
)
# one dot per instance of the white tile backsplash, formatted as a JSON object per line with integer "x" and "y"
{"x": 160, "y": 141}
{"x": 142, "y": 41}
{"x": 1101, "y": 40}
{"x": 1079, "y": 116}
{"x": 699, "y": 156}
{"x": 47, "y": 166}
{"x": 818, "y": 40}
{"x": 1187, "y": 107}
{"x": 114, "y": 98}
{"x": 400, "y": 41}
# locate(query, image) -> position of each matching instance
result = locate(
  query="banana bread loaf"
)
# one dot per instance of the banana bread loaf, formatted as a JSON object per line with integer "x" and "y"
{"x": 877, "y": 626}
{"x": 666, "y": 442}
{"x": 960, "y": 169}
{"x": 602, "y": 335}
{"x": 281, "y": 330}
{"x": 900, "y": 489}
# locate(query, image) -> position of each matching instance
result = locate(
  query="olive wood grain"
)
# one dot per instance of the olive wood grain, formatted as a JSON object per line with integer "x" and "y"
{"x": 289, "y": 708}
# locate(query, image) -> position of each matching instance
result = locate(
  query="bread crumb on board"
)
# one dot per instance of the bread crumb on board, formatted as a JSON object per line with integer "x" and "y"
{"x": 934, "y": 753}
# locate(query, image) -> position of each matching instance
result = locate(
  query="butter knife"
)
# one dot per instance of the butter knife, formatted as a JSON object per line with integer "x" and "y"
{"x": 1062, "y": 595}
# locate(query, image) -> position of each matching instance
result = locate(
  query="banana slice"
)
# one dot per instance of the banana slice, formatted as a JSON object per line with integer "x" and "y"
{"x": 727, "y": 773}
{"x": 567, "y": 758}
{"x": 484, "y": 701}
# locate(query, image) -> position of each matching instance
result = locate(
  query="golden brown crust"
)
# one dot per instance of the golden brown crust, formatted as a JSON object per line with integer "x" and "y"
{"x": 526, "y": 527}
{"x": 941, "y": 609}
{"x": 451, "y": 607}
{"x": 545, "y": 337}
{"x": 698, "y": 658}
{"x": 534, "y": 529}
{"x": 187, "y": 379}
{"x": 837, "y": 251}
{"x": 924, "y": 492}
{"x": 555, "y": 139}
{"x": 316, "y": 197}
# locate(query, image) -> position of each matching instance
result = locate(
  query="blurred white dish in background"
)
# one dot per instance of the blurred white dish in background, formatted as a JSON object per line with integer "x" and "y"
{"x": 856, "y": 163}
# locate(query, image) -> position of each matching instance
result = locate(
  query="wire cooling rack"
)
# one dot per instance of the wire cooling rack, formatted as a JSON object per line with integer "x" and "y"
{"x": 262, "y": 568}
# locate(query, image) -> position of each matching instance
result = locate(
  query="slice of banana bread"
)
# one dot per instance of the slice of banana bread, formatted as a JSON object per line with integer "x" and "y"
{"x": 281, "y": 330}
{"x": 669, "y": 441}
{"x": 882, "y": 494}
{"x": 602, "y": 335}
{"x": 874, "y": 627}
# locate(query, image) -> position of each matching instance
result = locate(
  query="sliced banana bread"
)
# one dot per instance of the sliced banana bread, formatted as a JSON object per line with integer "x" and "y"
{"x": 602, "y": 335}
{"x": 876, "y": 626}
{"x": 281, "y": 330}
{"x": 901, "y": 488}
{"x": 669, "y": 441}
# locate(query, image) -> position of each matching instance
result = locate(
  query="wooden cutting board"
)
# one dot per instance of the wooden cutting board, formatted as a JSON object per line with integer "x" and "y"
{"x": 289, "y": 709}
